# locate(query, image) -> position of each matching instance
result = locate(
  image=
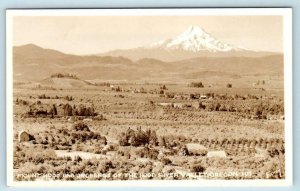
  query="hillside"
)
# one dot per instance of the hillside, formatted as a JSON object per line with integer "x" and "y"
{"x": 33, "y": 63}
{"x": 64, "y": 83}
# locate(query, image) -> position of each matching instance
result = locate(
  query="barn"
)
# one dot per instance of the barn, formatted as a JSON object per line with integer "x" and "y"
{"x": 203, "y": 97}
{"x": 23, "y": 136}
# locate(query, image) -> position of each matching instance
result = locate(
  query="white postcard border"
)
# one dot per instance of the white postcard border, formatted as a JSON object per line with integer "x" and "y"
{"x": 288, "y": 96}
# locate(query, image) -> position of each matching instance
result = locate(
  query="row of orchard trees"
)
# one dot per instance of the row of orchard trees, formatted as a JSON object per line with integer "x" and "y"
{"x": 68, "y": 110}
{"x": 258, "y": 108}
{"x": 201, "y": 85}
{"x": 61, "y": 110}
{"x": 61, "y": 75}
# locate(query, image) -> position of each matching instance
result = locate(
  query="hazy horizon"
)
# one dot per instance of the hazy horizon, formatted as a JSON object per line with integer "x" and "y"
{"x": 97, "y": 34}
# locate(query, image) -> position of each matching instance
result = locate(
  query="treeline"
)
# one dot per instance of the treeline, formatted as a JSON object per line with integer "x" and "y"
{"x": 69, "y": 110}
{"x": 196, "y": 85}
{"x": 38, "y": 109}
{"x": 60, "y": 75}
{"x": 21, "y": 102}
{"x": 222, "y": 96}
{"x": 260, "y": 109}
{"x": 79, "y": 133}
{"x": 107, "y": 84}
{"x": 201, "y": 85}
{"x": 44, "y": 96}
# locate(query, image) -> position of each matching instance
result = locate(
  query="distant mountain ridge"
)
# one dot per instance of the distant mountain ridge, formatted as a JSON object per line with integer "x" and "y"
{"x": 193, "y": 42}
{"x": 34, "y": 63}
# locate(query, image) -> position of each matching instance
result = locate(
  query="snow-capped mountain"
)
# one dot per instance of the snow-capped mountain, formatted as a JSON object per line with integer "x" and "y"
{"x": 194, "y": 39}
{"x": 193, "y": 42}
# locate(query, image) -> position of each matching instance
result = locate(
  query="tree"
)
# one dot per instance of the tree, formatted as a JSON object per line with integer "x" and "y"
{"x": 164, "y": 87}
{"x": 53, "y": 110}
{"x": 192, "y": 96}
{"x": 229, "y": 85}
{"x": 67, "y": 110}
{"x": 197, "y": 85}
{"x": 201, "y": 105}
{"x": 162, "y": 141}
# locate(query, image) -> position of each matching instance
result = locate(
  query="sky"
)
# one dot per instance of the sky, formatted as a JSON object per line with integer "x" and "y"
{"x": 97, "y": 34}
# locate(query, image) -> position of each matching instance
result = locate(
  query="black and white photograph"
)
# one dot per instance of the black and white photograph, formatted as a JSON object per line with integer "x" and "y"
{"x": 162, "y": 96}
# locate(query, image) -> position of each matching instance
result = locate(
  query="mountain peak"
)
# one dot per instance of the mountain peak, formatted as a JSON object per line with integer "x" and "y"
{"x": 30, "y": 45}
{"x": 194, "y": 29}
{"x": 194, "y": 39}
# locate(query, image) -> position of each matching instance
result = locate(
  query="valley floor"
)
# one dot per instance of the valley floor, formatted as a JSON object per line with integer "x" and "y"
{"x": 146, "y": 134}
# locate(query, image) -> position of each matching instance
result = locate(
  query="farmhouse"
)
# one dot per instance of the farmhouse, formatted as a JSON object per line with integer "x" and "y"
{"x": 23, "y": 136}
{"x": 165, "y": 104}
{"x": 221, "y": 154}
{"x": 203, "y": 97}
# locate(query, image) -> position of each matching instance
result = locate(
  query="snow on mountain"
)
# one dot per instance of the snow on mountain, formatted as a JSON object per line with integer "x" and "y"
{"x": 194, "y": 39}
{"x": 192, "y": 43}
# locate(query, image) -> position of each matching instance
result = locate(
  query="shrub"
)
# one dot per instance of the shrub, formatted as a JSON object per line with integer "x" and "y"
{"x": 163, "y": 87}
{"x": 105, "y": 166}
{"x": 99, "y": 117}
{"x": 81, "y": 127}
{"x": 166, "y": 161}
{"x": 77, "y": 159}
{"x": 196, "y": 85}
{"x": 123, "y": 139}
{"x": 60, "y": 75}
{"x": 162, "y": 141}
{"x": 69, "y": 98}
{"x": 229, "y": 85}
{"x": 273, "y": 152}
{"x": 198, "y": 152}
{"x": 138, "y": 137}
{"x": 193, "y": 96}
{"x": 43, "y": 96}
{"x": 67, "y": 110}
{"x": 197, "y": 168}
{"x": 53, "y": 110}
{"x": 102, "y": 140}
{"x": 147, "y": 152}
{"x": 169, "y": 95}
{"x": 22, "y": 102}
{"x": 184, "y": 151}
